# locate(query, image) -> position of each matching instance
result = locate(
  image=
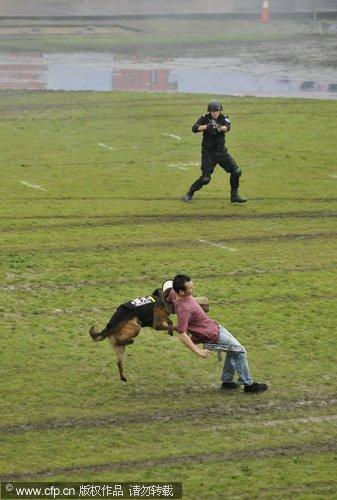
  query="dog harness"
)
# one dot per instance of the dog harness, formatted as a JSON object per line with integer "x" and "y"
{"x": 143, "y": 308}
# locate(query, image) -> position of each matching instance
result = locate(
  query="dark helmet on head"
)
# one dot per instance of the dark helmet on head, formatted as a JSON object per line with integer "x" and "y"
{"x": 214, "y": 106}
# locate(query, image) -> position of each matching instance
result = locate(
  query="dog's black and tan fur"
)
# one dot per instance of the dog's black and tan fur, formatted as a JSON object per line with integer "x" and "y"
{"x": 125, "y": 324}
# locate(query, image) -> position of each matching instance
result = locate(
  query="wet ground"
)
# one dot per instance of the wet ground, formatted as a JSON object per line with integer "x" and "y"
{"x": 106, "y": 72}
{"x": 283, "y": 59}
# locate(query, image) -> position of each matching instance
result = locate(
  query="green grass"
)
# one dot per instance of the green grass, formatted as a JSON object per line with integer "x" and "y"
{"x": 159, "y": 36}
{"x": 110, "y": 225}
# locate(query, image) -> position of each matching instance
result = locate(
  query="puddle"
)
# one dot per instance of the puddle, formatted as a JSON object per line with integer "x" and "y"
{"x": 104, "y": 72}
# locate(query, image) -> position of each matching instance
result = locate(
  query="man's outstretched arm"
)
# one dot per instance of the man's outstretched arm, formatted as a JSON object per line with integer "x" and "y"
{"x": 203, "y": 353}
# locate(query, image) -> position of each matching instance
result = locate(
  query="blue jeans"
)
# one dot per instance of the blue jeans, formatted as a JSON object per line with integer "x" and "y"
{"x": 236, "y": 359}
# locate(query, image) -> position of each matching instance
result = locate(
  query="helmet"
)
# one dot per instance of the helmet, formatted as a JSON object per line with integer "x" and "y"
{"x": 214, "y": 106}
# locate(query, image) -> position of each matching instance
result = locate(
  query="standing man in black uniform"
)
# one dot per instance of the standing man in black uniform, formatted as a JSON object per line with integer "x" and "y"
{"x": 214, "y": 125}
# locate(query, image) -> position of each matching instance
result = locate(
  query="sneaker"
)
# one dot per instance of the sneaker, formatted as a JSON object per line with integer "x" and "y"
{"x": 188, "y": 198}
{"x": 228, "y": 386}
{"x": 255, "y": 387}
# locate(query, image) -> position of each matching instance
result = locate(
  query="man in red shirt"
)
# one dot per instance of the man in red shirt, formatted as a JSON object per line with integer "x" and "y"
{"x": 196, "y": 327}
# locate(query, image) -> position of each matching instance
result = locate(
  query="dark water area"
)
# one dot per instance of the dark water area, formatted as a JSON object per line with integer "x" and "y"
{"x": 104, "y": 72}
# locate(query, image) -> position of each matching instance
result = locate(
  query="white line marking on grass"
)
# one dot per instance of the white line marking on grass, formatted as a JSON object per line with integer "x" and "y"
{"x": 174, "y": 165}
{"x": 182, "y": 166}
{"x": 104, "y": 145}
{"x": 172, "y": 135}
{"x": 218, "y": 245}
{"x": 33, "y": 186}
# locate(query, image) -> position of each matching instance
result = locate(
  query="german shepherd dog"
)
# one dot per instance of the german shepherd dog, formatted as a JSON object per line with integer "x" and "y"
{"x": 128, "y": 319}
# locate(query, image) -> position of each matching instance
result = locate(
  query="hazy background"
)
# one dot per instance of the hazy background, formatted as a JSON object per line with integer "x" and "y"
{"x": 139, "y": 7}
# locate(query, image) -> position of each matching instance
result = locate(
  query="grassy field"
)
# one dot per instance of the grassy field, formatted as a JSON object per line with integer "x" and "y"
{"x": 91, "y": 216}
{"x": 47, "y": 35}
{"x": 297, "y": 42}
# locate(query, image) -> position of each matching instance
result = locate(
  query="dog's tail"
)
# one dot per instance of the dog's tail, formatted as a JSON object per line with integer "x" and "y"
{"x": 97, "y": 335}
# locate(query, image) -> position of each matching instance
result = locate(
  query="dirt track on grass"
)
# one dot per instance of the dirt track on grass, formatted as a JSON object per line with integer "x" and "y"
{"x": 122, "y": 247}
{"x": 167, "y": 415}
{"x": 151, "y": 280}
{"x": 280, "y": 451}
{"x": 289, "y": 299}
{"x": 130, "y": 220}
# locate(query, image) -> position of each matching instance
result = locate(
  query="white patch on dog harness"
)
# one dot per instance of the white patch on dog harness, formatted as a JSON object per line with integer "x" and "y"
{"x": 142, "y": 301}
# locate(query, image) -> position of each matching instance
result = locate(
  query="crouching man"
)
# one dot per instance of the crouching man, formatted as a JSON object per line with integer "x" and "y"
{"x": 214, "y": 125}
{"x": 196, "y": 327}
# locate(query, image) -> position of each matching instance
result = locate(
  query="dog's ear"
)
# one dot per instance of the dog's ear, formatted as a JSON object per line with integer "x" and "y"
{"x": 157, "y": 293}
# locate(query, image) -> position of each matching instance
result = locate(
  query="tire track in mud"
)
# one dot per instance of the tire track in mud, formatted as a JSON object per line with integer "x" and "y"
{"x": 168, "y": 415}
{"x": 312, "y": 488}
{"x": 127, "y": 200}
{"x": 106, "y": 221}
{"x": 29, "y": 287}
{"x": 96, "y": 310}
{"x": 152, "y": 279}
{"x": 322, "y": 199}
{"x": 271, "y": 452}
{"x": 120, "y": 247}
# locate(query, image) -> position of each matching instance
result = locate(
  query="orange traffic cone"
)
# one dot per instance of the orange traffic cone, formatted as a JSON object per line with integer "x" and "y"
{"x": 264, "y": 16}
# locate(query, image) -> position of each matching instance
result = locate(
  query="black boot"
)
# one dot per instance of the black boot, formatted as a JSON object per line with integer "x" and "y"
{"x": 188, "y": 197}
{"x": 236, "y": 198}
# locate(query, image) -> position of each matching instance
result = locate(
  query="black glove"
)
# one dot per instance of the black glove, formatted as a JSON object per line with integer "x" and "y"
{"x": 227, "y": 123}
{"x": 213, "y": 127}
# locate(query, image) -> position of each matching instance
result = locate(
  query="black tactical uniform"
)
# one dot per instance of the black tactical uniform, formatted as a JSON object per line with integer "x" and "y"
{"x": 214, "y": 152}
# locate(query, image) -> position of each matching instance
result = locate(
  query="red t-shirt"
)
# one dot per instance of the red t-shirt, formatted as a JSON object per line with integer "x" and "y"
{"x": 193, "y": 319}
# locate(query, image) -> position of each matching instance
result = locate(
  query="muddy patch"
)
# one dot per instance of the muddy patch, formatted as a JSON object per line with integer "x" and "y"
{"x": 220, "y": 75}
{"x": 150, "y": 280}
{"x": 122, "y": 247}
{"x": 168, "y": 219}
{"x": 172, "y": 415}
{"x": 281, "y": 451}
{"x": 289, "y": 299}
